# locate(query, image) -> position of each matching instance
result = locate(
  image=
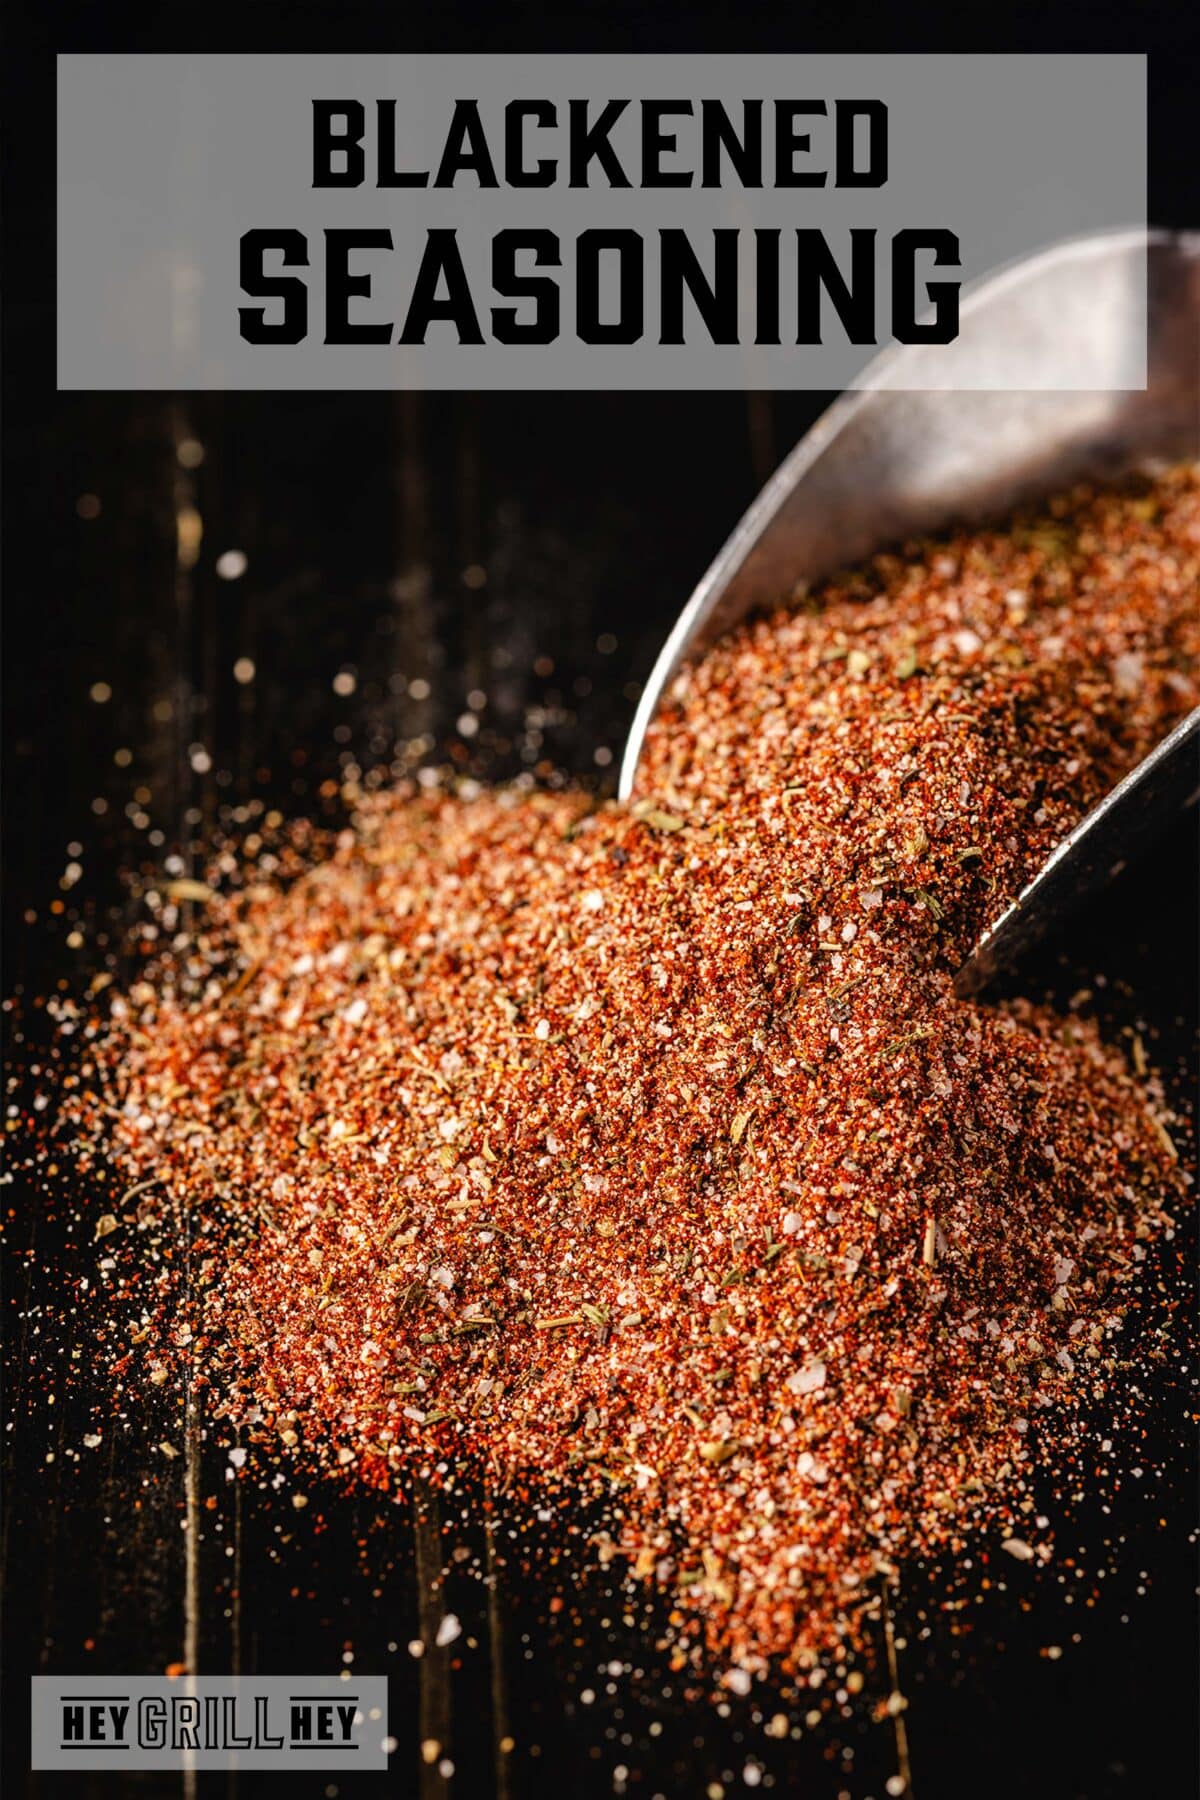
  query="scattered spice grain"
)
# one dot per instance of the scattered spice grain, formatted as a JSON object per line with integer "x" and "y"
{"x": 647, "y": 1153}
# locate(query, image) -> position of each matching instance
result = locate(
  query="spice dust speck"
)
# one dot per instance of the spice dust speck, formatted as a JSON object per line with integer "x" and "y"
{"x": 644, "y": 1155}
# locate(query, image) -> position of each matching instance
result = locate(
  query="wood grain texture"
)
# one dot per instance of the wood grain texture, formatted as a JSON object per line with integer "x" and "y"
{"x": 359, "y": 518}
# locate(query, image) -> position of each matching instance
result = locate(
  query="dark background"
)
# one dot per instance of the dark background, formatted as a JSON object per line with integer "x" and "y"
{"x": 366, "y": 521}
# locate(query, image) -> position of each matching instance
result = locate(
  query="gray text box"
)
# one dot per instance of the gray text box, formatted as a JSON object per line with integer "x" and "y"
{"x": 165, "y": 161}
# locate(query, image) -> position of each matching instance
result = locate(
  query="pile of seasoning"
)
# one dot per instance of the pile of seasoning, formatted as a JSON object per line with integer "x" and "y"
{"x": 536, "y": 1145}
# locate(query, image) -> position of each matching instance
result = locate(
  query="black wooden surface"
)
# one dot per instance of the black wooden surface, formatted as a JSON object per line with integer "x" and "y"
{"x": 360, "y": 518}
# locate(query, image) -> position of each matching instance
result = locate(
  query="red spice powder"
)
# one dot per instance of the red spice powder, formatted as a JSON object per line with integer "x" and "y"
{"x": 645, "y": 1152}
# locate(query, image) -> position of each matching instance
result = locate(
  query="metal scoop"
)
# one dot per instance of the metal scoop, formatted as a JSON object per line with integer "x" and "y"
{"x": 904, "y": 458}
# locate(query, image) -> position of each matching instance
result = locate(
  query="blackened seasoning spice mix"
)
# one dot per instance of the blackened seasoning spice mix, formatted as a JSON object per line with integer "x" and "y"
{"x": 642, "y": 1155}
